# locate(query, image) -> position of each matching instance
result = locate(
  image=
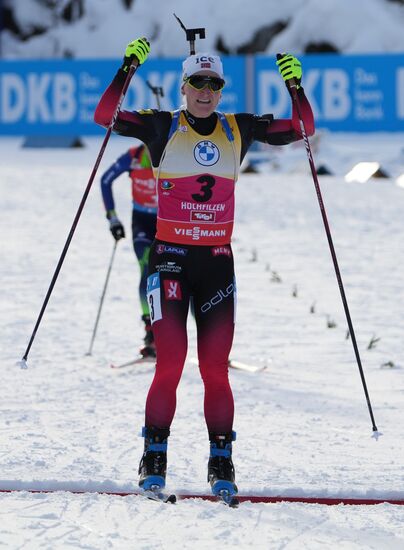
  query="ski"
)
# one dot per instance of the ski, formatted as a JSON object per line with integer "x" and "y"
{"x": 140, "y": 360}
{"x": 233, "y": 364}
{"x": 239, "y": 365}
{"x": 159, "y": 496}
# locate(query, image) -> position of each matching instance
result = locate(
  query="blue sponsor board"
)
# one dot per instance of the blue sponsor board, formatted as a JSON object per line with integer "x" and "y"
{"x": 350, "y": 93}
{"x": 59, "y": 97}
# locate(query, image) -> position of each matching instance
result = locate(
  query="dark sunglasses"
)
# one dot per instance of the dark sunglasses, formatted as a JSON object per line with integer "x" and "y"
{"x": 199, "y": 82}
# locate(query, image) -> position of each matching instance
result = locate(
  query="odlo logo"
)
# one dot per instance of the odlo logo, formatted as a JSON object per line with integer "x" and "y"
{"x": 217, "y": 298}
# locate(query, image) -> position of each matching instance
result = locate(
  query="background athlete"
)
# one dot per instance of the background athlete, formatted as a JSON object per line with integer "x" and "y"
{"x": 196, "y": 155}
{"x": 136, "y": 163}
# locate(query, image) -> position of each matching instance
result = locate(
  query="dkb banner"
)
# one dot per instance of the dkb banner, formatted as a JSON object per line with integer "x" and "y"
{"x": 348, "y": 93}
{"x": 59, "y": 97}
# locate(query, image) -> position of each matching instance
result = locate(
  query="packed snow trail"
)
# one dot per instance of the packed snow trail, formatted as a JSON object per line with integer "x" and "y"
{"x": 302, "y": 424}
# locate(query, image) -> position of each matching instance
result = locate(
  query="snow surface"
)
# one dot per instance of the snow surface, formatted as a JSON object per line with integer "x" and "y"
{"x": 359, "y": 26}
{"x": 71, "y": 422}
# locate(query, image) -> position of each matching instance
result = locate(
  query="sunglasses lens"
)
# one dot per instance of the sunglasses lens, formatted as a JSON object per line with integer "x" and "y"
{"x": 216, "y": 84}
{"x": 197, "y": 82}
{"x": 200, "y": 82}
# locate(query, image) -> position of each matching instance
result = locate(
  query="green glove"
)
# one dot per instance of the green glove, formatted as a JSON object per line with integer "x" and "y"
{"x": 290, "y": 67}
{"x": 138, "y": 49}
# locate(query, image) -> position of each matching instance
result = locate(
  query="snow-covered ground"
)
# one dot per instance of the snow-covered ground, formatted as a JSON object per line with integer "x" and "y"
{"x": 71, "y": 422}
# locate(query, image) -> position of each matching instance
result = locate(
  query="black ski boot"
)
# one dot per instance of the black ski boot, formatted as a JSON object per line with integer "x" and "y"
{"x": 149, "y": 348}
{"x": 221, "y": 475}
{"x": 153, "y": 465}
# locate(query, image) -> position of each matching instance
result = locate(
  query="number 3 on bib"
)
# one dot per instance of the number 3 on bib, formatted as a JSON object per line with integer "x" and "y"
{"x": 154, "y": 297}
{"x": 206, "y": 189}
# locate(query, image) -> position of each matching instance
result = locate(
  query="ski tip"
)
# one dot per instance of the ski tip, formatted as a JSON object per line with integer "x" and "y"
{"x": 233, "y": 502}
{"x": 238, "y": 365}
{"x": 233, "y": 364}
{"x": 158, "y": 496}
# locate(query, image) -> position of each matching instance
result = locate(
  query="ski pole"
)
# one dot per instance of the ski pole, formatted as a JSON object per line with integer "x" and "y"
{"x": 157, "y": 92}
{"x": 293, "y": 89}
{"x": 104, "y": 290}
{"x": 132, "y": 69}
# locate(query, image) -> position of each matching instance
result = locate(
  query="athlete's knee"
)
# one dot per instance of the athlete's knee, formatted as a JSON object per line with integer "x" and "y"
{"x": 168, "y": 373}
{"x": 215, "y": 372}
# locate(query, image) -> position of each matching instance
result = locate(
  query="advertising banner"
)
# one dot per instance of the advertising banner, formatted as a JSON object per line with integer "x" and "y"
{"x": 358, "y": 93}
{"x": 348, "y": 93}
{"x": 58, "y": 97}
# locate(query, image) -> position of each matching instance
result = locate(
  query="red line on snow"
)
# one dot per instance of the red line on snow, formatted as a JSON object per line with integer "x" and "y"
{"x": 328, "y": 501}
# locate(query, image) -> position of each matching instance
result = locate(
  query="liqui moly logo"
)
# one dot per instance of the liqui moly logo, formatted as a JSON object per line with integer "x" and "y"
{"x": 203, "y": 216}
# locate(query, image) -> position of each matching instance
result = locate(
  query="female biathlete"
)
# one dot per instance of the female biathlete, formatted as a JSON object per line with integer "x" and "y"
{"x": 196, "y": 154}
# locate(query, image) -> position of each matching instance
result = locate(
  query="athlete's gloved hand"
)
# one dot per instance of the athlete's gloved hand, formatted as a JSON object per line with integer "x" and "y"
{"x": 289, "y": 67}
{"x": 138, "y": 49}
{"x": 116, "y": 228}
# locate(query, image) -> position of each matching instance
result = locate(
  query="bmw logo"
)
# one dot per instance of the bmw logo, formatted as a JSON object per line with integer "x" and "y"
{"x": 206, "y": 153}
